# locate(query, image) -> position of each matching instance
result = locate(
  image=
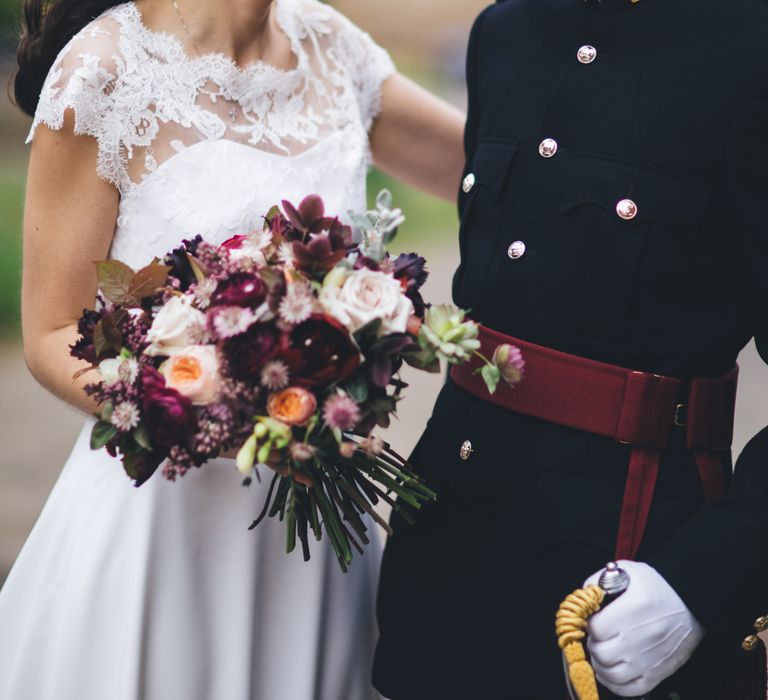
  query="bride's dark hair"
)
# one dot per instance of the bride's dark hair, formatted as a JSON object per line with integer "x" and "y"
{"x": 48, "y": 26}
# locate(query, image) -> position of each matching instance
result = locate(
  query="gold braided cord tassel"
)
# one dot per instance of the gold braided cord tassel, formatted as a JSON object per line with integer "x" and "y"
{"x": 571, "y": 628}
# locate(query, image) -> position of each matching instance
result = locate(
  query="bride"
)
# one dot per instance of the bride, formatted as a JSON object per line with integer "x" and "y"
{"x": 159, "y": 120}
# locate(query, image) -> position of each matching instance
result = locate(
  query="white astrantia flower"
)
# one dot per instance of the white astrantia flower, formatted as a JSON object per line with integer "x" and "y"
{"x": 229, "y": 321}
{"x": 275, "y": 375}
{"x": 129, "y": 370}
{"x": 298, "y": 303}
{"x": 125, "y": 416}
{"x": 203, "y": 291}
{"x": 366, "y": 295}
{"x": 285, "y": 255}
{"x": 252, "y": 247}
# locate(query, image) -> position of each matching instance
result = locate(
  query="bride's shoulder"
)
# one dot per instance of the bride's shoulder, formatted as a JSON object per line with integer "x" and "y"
{"x": 322, "y": 20}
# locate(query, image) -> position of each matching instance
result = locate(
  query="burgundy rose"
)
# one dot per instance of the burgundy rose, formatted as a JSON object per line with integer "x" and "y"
{"x": 319, "y": 352}
{"x": 169, "y": 416}
{"x": 248, "y": 352}
{"x": 241, "y": 289}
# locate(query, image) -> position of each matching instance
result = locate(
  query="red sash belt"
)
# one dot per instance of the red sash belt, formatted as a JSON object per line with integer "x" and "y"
{"x": 635, "y": 408}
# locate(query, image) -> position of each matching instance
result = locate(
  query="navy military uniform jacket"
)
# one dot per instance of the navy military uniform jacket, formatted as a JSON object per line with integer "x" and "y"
{"x": 615, "y": 206}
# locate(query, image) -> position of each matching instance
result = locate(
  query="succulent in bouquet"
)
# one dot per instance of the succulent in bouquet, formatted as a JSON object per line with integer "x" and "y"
{"x": 282, "y": 347}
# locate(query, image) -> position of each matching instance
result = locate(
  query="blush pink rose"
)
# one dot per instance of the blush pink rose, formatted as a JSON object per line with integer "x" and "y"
{"x": 194, "y": 373}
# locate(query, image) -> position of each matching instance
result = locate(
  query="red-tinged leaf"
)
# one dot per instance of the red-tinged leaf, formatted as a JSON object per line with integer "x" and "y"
{"x": 100, "y": 342}
{"x": 115, "y": 280}
{"x": 110, "y": 327}
{"x": 82, "y": 372}
{"x": 311, "y": 209}
{"x": 293, "y": 215}
{"x": 148, "y": 281}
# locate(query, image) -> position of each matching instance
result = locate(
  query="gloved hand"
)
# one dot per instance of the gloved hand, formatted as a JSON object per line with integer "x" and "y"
{"x": 644, "y": 636}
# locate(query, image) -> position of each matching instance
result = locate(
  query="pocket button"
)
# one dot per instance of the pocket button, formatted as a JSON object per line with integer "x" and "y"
{"x": 468, "y": 183}
{"x": 516, "y": 250}
{"x": 626, "y": 209}
{"x": 547, "y": 148}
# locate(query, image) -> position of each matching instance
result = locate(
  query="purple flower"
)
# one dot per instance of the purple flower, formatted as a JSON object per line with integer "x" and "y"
{"x": 241, "y": 289}
{"x": 510, "y": 363}
{"x": 84, "y": 349}
{"x": 169, "y": 416}
{"x": 340, "y": 412}
{"x": 319, "y": 352}
{"x": 178, "y": 259}
{"x": 410, "y": 270}
{"x": 249, "y": 352}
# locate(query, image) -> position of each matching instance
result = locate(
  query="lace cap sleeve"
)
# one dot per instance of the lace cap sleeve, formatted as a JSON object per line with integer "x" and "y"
{"x": 369, "y": 64}
{"x": 83, "y": 79}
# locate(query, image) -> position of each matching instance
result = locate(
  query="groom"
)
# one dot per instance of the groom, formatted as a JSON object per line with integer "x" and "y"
{"x": 614, "y": 225}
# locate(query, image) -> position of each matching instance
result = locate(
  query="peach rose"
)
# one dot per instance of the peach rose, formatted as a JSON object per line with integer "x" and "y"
{"x": 292, "y": 406}
{"x": 194, "y": 373}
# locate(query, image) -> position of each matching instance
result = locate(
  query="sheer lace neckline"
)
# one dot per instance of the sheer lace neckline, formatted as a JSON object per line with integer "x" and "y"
{"x": 176, "y": 49}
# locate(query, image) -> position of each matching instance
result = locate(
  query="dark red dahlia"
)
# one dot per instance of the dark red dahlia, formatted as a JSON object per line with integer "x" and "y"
{"x": 320, "y": 352}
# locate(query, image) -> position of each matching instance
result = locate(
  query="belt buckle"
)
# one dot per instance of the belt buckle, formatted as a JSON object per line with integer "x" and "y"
{"x": 681, "y": 415}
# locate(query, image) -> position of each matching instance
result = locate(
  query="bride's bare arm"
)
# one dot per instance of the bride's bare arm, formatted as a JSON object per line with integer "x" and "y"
{"x": 69, "y": 221}
{"x": 418, "y": 138}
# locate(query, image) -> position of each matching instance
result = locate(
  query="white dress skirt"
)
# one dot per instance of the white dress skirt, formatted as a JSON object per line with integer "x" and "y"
{"x": 162, "y": 592}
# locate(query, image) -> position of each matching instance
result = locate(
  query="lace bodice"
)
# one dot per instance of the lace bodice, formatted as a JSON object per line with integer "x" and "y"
{"x": 200, "y": 145}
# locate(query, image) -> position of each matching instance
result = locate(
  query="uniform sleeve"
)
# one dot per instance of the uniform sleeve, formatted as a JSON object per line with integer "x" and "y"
{"x": 83, "y": 79}
{"x": 718, "y": 562}
{"x": 369, "y": 66}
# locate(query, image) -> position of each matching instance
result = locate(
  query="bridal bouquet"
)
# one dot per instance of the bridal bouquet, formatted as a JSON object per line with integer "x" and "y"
{"x": 282, "y": 346}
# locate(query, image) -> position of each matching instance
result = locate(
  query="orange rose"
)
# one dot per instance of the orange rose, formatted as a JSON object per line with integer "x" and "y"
{"x": 292, "y": 406}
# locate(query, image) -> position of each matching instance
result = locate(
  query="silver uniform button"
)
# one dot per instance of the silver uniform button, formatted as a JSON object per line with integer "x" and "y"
{"x": 586, "y": 54}
{"x": 516, "y": 250}
{"x": 466, "y": 450}
{"x": 626, "y": 209}
{"x": 547, "y": 148}
{"x": 468, "y": 183}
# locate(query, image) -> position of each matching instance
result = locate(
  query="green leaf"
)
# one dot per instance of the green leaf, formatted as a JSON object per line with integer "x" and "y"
{"x": 425, "y": 360}
{"x": 148, "y": 281}
{"x": 115, "y": 280}
{"x": 491, "y": 375}
{"x": 369, "y": 333}
{"x": 101, "y": 434}
{"x": 141, "y": 436}
{"x": 357, "y": 387}
{"x": 384, "y": 199}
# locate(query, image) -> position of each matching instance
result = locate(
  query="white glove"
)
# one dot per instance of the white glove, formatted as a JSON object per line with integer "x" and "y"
{"x": 644, "y": 636}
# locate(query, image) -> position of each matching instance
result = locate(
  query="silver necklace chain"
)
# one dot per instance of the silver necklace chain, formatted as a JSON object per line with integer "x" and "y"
{"x": 233, "y": 110}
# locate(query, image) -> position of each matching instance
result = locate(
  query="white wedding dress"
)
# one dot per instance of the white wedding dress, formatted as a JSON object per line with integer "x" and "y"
{"x": 161, "y": 593}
